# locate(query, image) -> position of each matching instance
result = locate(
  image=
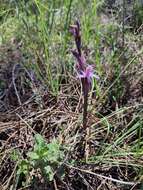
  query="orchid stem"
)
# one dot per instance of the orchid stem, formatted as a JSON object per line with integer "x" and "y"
{"x": 85, "y": 104}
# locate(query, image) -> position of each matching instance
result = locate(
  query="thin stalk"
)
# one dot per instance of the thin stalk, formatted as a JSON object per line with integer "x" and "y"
{"x": 85, "y": 103}
{"x": 85, "y": 106}
{"x": 123, "y": 24}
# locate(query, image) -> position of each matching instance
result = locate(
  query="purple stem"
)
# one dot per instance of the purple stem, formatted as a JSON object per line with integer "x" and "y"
{"x": 85, "y": 103}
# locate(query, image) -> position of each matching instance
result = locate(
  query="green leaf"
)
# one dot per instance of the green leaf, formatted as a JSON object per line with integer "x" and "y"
{"x": 49, "y": 173}
{"x": 39, "y": 140}
{"x": 33, "y": 155}
{"x": 23, "y": 167}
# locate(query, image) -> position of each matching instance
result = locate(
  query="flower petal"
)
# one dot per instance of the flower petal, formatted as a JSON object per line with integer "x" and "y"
{"x": 89, "y": 71}
{"x": 96, "y": 76}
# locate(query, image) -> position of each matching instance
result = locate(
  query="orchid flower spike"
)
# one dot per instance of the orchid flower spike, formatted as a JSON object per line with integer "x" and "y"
{"x": 81, "y": 62}
{"x": 85, "y": 72}
{"x": 75, "y": 31}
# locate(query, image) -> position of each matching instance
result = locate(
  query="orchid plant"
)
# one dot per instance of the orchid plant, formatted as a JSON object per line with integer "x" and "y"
{"x": 84, "y": 71}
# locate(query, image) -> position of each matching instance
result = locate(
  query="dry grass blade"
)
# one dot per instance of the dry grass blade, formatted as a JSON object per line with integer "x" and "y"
{"x": 103, "y": 177}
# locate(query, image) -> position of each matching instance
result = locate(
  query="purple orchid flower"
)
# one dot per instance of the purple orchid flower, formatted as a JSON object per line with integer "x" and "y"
{"x": 84, "y": 72}
{"x": 88, "y": 75}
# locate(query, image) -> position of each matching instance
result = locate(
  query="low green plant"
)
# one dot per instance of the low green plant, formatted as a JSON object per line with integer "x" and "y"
{"x": 45, "y": 159}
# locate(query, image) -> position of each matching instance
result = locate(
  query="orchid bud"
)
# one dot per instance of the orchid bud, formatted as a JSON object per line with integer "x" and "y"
{"x": 75, "y": 31}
